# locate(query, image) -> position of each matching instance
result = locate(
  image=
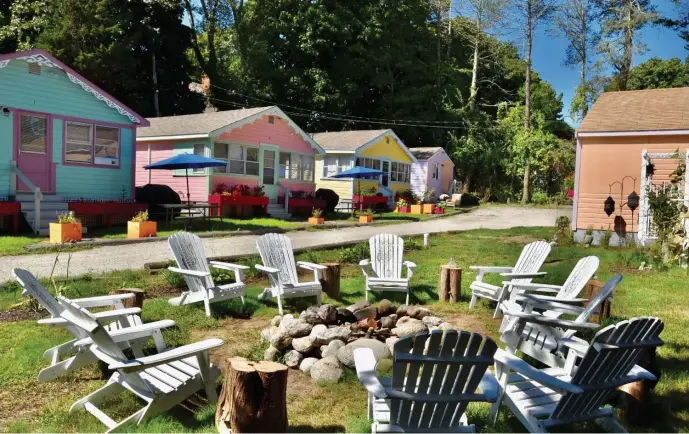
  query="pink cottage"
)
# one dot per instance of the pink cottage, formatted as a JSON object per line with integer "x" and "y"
{"x": 262, "y": 145}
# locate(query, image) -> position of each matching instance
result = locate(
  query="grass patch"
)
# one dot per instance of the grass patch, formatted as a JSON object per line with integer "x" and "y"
{"x": 342, "y": 407}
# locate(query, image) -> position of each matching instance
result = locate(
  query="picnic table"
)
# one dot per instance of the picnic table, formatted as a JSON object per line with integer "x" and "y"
{"x": 190, "y": 210}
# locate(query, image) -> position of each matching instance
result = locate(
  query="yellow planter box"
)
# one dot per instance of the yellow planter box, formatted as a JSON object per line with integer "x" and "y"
{"x": 316, "y": 220}
{"x": 428, "y": 208}
{"x": 416, "y": 209}
{"x": 65, "y": 232}
{"x": 365, "y": 218}
{"x": 142, "y": 229}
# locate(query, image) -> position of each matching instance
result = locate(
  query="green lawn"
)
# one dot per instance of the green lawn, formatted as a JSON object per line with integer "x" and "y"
{"x": 26, "y": 405}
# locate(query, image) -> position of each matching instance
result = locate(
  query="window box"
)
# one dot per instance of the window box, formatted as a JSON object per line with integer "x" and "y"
{"x": 304, "y": 206}
{"x": 439, "y": 210}
{"x": 416, "y": 209}
{"x": 142, "y": 229}
{"x": 316, "y": 220}
{"x": 370, "y": 199}
{"x": 365, "y": 218}
{"x": 65, "y": 232}
{"x": 403, "y": 209}
{"x": 428, "y": 208}
{"x": 224, "y": 199}
{"x": 105, "y": 213}
{"x": 13, "y": 210}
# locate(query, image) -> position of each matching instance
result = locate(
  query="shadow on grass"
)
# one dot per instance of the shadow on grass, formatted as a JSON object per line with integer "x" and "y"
{"x": 307, "y": 428}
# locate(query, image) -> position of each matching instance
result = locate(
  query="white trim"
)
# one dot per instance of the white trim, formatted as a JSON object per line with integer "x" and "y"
{"x": 99, "y": 96}
{"x": 633, "y": 133}
{"x": 575, "y": 199}
{"x": 275, "y": 111}
{"x": 394, "y": 136}
{"x": 180, "y": 137}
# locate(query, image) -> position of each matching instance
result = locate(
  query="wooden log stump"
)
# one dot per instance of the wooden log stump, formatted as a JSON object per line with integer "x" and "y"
{"x": 253, "y": 398}
{"x": 137, "y": 301}
{"x": 635, "y": 406}
{"x": 592, "y": 288}
{"x": 330, "y": 279}
{"x": 450, "y": 283}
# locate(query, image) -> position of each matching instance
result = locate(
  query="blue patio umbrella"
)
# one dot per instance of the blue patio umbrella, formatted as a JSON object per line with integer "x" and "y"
{"x": 359, "y": 172}
{"x": 186, "y": 161}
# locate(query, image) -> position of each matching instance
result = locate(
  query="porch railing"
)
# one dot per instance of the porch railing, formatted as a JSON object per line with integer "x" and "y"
{"x": 288, "y": 194}
{"x": 37, "y": 195}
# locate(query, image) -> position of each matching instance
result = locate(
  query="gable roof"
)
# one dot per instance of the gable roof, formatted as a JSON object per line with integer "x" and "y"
{"x": 43, "y": 58}
{"x": 425, "y": 153}
{"x": 639, "y": 111}
{"x": 346, "y": 141}
{"x": 203, "y": 125}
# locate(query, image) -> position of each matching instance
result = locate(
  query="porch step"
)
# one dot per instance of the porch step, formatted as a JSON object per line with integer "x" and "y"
{"x": 278, "y": 211}
{"x": 51, "y": 205}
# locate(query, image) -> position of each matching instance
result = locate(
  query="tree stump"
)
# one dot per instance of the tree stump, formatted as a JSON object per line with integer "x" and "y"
{"x": 450, "y": 284}
{"x": 592, "y": 288}
{"x": 330, "y": 279}
{"x": 635, "y": 407}
{"x": 137, "y": 301}
{"x": 254, "y": 397}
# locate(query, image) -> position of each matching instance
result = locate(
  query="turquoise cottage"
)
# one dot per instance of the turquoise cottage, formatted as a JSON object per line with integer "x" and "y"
{"x": 64, "y": 144}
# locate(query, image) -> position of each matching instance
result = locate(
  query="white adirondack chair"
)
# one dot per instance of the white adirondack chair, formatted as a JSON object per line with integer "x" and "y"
{"x": 530, "y": 261}
{"x": 69, "y": 357}
{"x": 384, "y": 270}
{"x": 193, "y": 264}
{"x": 546, "y": 398}
{"x": 430, "y": 388}
{"x": 541, "y": 335}
{"x": 566, "y": 293}
{"x": 161, "y": 380}
{"x": 278, "y": 262}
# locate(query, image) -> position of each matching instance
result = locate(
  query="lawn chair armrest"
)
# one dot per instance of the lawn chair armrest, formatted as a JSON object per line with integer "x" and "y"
{"x": 365, "y": 363}
{"x": 524, "y": 275}
{"x": 364, "y": 262}
{"x": 491, "y": 269}
{"x": 168, "y": 356}
{"x": 106, "y": 315}
{"x": 365, "y": 265}
{"x": 192, "y": 273}
{"x": 410, "y": 268}
{"x": 131, "y": 333}
{"x": 265, "y": 269}
{"x": 537, "y": 287}
{"x": 539, "y": 303}
{"x": 553, "y": 322}
{"x": 311, "y": 265}
{"x": 575, "y": 344}
{"x": 538, "y": 298}
{"x": 227, "y": 266}
{"x": 521, "y": 367}
{"x": 101, "y": 301}
{"x": 489, "y": 387}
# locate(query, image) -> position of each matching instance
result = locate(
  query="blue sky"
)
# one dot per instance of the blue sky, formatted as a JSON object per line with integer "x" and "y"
{"x": 548, "y": 54}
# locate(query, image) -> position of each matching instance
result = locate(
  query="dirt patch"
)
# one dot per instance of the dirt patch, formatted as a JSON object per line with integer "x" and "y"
{"x": 520, "y": 239}
{"x": 469, "y": 323}
{"x": 14, "y": 315}
{"x": 240, "y": 336}
{"x": 22, "y": 400}
{"x": 162, "y": 291}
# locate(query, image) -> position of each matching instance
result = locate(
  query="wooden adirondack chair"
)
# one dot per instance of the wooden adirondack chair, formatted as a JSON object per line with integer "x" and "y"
{"x": 566, "y": 293}
{"x": 69, "y": 357}
{"x": 384, "y": 270}
{"x": 161, "y": 380}
{"x": 430, "y": 388}
{"x": 278, "y": 262}
{"x": 540, "y": 335}
{"x": 193, "y": 264}
{"x": 545, "y": 398}
{"x": 530, "y": 261}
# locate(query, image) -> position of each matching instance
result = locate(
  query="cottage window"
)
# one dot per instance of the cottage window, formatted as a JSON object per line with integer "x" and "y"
{"x": 243, "y": 159}
{"x": 399, "y": 172}
{"x": 200, "y": 150}
{"x": 334, "y": 165}
{"x": 79, "y": 143}
{"x": 220, "y": 152}
{"x": 369, "y": 163}
{"x": 107, "y": 149}
{"x": 285, "y": 159}
{"x": 295, "y": 167}
{"x": 307, "y": 168}
{"x": 33, "y": 134}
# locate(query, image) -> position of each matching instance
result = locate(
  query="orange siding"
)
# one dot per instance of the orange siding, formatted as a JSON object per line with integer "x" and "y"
{"x": 605, "y": 160}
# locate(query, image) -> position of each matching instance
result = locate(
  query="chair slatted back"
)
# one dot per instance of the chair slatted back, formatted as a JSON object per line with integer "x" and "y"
{"x": 276, "y": 252}
{"x": 189, "y": 253}
{"x": 84, "y": 320}
{"x": 531, "y": 259}
{"x": 451, "y": 368}
{"x": 598, "y": 299}
{"x": 612, "y": 354}
{"x": 35, "y": 289}
{"x": 577, "y": 279}
{"x": 386, "y": 255}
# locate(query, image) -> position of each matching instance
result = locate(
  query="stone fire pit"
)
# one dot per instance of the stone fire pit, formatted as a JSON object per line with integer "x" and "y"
{"x": 322, "y": 340}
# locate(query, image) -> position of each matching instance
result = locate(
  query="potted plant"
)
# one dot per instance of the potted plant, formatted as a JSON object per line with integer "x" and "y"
{"x": 440, "y": 208}
{"x": 66, "y": 230}
{"x": 569, "y": 185}
{"x": 141, "y": 227}
{"x": 366, "y": 216}
{"x": 316, "y": 218}
{"x": 402, "y": 206}
{"x": 428, "y": 205}
{"x": 416, "y": 208}
{"x": 588, "y": 236}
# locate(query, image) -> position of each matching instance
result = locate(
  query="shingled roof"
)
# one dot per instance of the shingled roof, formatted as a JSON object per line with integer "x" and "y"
{"x": 202, "y": 123}
{"x": 639, "y": 110}
{"x": 346, "y": 141}
{"x": 422, "y": 154}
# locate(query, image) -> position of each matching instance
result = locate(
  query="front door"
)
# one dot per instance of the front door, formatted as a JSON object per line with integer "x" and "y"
{"x": 385, "y": 178}
{"x": 267, "y": 175}
{"x": 33, "y": 151}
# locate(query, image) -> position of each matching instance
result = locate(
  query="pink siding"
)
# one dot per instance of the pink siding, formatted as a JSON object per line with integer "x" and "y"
{"x": 160, "y": 151}
{"x": 261, "y": 131}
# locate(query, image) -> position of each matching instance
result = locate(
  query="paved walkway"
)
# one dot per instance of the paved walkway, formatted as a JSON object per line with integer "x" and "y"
{"x": 133, "y": 256}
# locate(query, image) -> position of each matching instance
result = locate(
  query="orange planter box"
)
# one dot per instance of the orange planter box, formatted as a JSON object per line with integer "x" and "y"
{"x": 65, "y": 232}
{"x": 365, "y": 218}
{"x": 428, "y": 208}
{"x": 316, "y": 220}
{"x": 416, "y": 209}
{"x": 142, "y": 229}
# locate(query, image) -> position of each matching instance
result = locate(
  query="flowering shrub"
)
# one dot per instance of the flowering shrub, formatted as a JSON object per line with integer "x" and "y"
{"x": 406, "y": 195}
{"x": 239, "y": 190}
{"x": 85, "y": 200}
{"x": 220, "y": 189}
{"x": 301, "y": 194}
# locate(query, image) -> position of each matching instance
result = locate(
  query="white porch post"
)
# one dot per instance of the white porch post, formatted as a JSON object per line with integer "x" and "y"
{"x": 577, "y": 169}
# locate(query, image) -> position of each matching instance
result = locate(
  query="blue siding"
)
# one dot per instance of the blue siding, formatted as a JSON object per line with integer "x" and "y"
{"x": 52, "y": 92}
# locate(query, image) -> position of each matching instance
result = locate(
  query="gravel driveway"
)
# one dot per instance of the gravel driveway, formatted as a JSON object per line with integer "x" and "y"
{"x": 132, "y": 256}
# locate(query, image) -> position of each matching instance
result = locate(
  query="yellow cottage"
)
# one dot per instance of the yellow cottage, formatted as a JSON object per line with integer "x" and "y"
{"x": 377, "y": 149}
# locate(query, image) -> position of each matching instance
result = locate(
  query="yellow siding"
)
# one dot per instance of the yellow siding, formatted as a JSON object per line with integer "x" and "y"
{"x": 343, "y": 187}
{"x": 387, "y": 147}
{"x": 398, "y": 187}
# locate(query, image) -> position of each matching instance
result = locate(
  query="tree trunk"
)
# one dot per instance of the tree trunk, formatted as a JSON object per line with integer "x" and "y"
{"x": 628, "y": 47}
{"x": 137, "y": 301}
{"x": 466, "y": 188}
{"x": 330, "y": 280}
{"x": 254, "y": 397}
{"x": 527, "y": 94}
{"x": 584, "y": 60}
{"x": 474, "y": 69}
{"x": 635, "y": 406}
